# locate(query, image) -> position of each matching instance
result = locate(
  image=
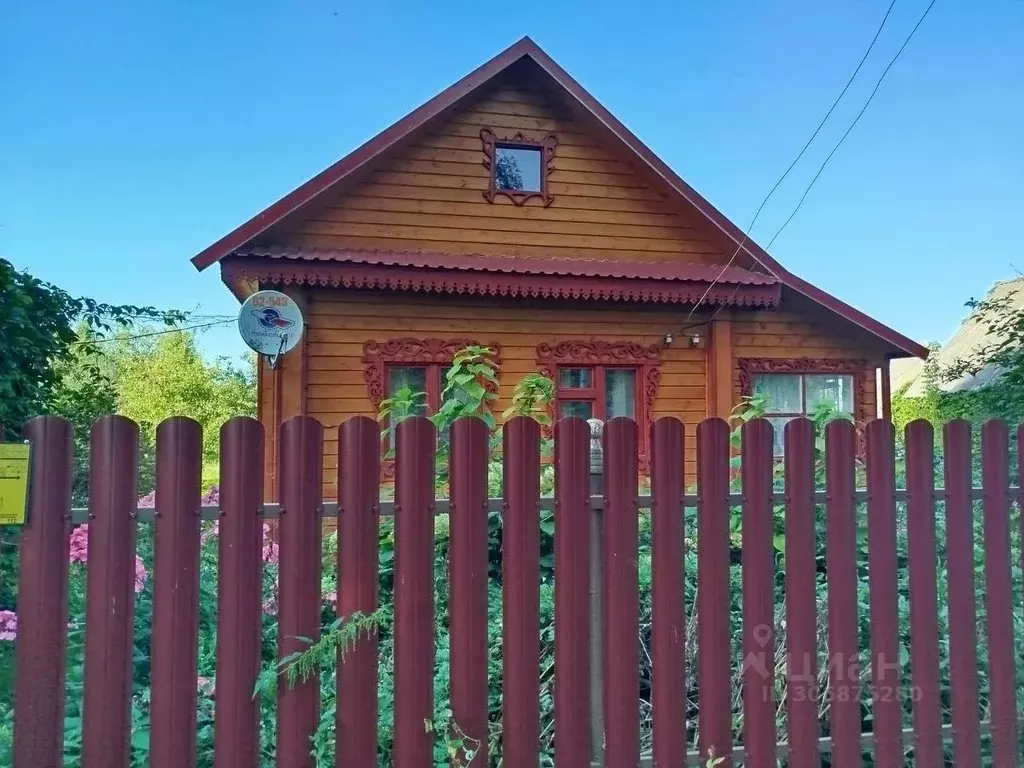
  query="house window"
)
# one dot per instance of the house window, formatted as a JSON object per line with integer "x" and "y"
{"x": 791, "y": 395}
{"x": 602, "y": 379}
{"x": 420, "y": 365}
{"x": 517, "y": 169}
{"x": 518, "y": 166}
{"x": 596, "y": 392}
{"x": 424, "y": 382}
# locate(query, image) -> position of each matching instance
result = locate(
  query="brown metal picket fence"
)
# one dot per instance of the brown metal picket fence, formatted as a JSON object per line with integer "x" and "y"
{"x": 113, "y": 517}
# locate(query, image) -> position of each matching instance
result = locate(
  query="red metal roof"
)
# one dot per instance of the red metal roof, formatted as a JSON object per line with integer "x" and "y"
{"x": 525, "y": 265}
{"x": 750, "y": 291}
{"x": 391, "y": 137}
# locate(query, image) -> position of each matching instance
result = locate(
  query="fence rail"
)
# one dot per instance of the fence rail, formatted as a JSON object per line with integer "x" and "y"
{"x": 386, "y": 507}
{"x": 597, "y": 695}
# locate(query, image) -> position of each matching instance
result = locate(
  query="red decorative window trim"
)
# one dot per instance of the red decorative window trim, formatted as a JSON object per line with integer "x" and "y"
{"x": 623, "y": 354}
{"x": 751, "y": 366}
{"x": 546, "y": 146}
{"x": 407, "y": 350}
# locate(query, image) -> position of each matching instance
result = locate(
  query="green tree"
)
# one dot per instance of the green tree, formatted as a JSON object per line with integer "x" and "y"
{"x": 37, "y": 332}
{"x": 164, "y": 376}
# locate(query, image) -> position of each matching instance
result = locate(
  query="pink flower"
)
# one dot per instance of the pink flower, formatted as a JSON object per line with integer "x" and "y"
{"x": 8, "y": 625}
{"x": 149, "y": 500}
{"x": 78, "y": 550}
{"x": 271, "y": 550}
{"x": 140, "y": 574}
{"x": 207, "y": 685}
{"x": 211, "y": 497}
{"x": 331, "y": 598}
{"x": 270, "y": 603}
{"x": 210, "y": 531}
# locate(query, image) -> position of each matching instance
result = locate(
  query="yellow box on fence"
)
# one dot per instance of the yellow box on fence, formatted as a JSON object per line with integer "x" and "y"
{"x": 13, "y": 482}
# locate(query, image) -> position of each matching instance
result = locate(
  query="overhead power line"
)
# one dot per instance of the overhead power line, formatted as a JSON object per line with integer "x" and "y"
{"x": 800, "y": 154}
{"x": 856, "y": 120}
{"x": 155, "y": 333}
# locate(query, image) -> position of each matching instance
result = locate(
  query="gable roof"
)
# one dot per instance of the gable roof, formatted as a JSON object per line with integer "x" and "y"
{"x": 388, "y": 139}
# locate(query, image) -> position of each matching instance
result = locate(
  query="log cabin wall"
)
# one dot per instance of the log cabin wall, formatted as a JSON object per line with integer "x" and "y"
{"x": 430, "y": 197}
{"x": 327, "y": 372}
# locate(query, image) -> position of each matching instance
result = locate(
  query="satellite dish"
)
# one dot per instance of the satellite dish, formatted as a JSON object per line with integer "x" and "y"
{"x": 270, "y": 322}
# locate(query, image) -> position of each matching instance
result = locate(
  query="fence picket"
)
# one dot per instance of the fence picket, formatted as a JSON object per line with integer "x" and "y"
{"x": 416, "y": 440}
{"x": 668, "y": 616}
{"x": 963, "y": 614}
{"x": 358, "y": 566}
{"x": 467, "y": 591}
{"x": 713, "y": 599}
{"x": 882, "y": 581}
{"x": 841, "y": 537}
{"x": 621, "y": 618}
{"x": 758, "y": 565}
{"x": 999, "y": 594}
{"x": 41, "y": 642}
{"x": 110, "y": 593}
{"x": 921, "y": 563}
{"x": 520, "y": 560}
{"x": 175, "y": 627}
{"x": 239, "y": 589}
{"x": 301, "y": 533}
{"x": 801, "y": 596}
{"x": 572, "y": 593}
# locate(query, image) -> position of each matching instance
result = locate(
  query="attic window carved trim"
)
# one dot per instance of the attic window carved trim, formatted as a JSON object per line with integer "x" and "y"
{"x": 492, "y": 142}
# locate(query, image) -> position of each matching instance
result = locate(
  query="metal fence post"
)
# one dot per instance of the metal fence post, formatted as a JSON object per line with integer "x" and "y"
{"x": 596, "y": 594}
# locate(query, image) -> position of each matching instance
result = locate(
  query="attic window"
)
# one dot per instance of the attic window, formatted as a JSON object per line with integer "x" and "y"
{"x": 517, "y": 169}
{"x": 518, "y": 166}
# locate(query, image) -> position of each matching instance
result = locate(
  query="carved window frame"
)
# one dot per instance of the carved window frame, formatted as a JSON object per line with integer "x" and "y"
{"x": 491, "y": 142}
{"x": 749, "y": 367}
{"x": 645, "y": 359}
{"x": 410, "y": 351}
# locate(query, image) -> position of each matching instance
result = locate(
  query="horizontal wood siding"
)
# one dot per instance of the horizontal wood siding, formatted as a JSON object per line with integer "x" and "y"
{"x": 341, "y": 321}
{"x": 801, "y": 330}
{"x": 430, "y": 195}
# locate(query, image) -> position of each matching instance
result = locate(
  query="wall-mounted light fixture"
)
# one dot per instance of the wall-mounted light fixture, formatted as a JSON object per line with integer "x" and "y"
{"x": 695, "y": 340}
{"x": 669, "y": 338}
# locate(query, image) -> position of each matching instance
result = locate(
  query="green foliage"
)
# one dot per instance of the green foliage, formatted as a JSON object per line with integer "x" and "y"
{"x": 532, "y": 397}
{"x": 400, "y": 406}
{"x": 1002, "y": 398}
{"x": 37, "y": 330}
{"x": 470, "y": 388}
{"x": 165, "y": 376}
{"x": 338, "y": 637}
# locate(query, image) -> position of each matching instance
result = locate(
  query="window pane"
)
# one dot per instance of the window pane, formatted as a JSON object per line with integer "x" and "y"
{"x": 517, "y": 169}
{"x": 576, "y": 408}
{"x": 619, "y": 393}
{"x": 783, "y": 391}
{"x": 779, "y": 423}
{"x": 576, "y": 378}
{"x": 413, "y": 379}
{"x": 837, "y": 390}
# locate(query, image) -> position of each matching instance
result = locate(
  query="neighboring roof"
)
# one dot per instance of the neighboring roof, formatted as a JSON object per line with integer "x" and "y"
{"x": 971, "y": 337}
{"x": 388, "y": 139}
{"x": 584, "y": 279}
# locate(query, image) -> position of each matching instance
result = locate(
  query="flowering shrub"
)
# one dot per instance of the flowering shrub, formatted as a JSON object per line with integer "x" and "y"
{"x": 8, "y": 625}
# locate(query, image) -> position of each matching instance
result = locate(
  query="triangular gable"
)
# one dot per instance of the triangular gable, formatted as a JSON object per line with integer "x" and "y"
{"x": 390, "y": 139}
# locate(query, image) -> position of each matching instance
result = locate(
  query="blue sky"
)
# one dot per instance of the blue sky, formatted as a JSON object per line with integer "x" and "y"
{"x": 134, "y": 135}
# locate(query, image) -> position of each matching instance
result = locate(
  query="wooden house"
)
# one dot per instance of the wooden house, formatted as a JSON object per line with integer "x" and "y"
{"x": 513, "y": 210}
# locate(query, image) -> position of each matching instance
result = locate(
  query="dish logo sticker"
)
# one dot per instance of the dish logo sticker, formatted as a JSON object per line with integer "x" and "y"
{"x": 270, "y": 318}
